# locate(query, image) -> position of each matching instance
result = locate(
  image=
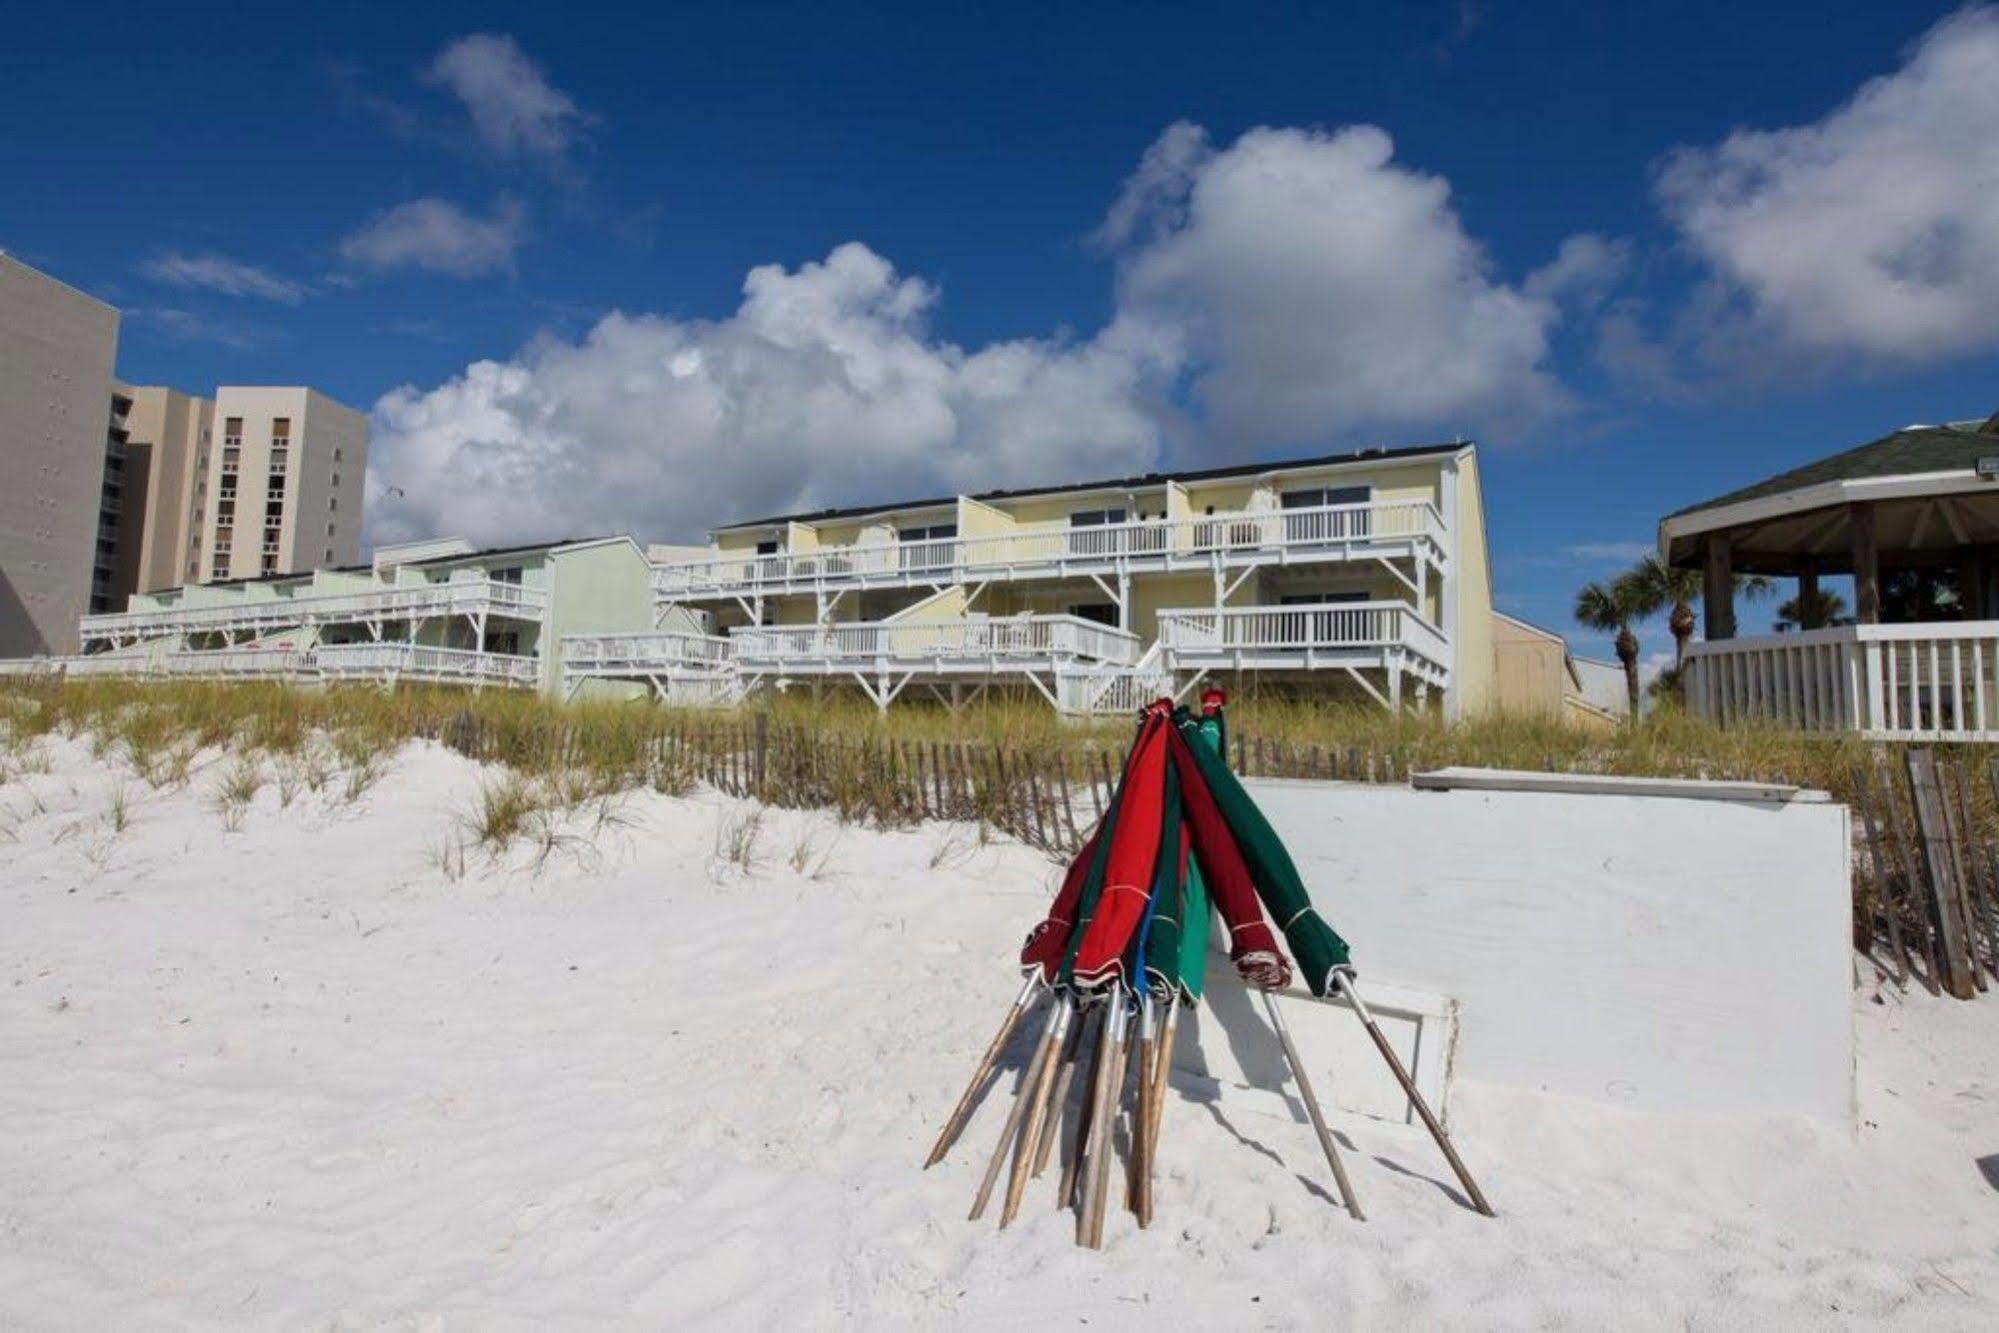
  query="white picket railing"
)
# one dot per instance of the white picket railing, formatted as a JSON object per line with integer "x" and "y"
{"x": 1057, "y": 547}
{"x": 1017, "y": 638}
{"x": 655, "y": 650}
{"x": 469, "y": 597}
{"x": 1886, "y": 682}
{"x": 385, "y": 661}
{"x": 1195, "y": 633}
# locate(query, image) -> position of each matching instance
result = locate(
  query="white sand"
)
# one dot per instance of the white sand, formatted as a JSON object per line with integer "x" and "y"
{"x": 297, "y": 1075}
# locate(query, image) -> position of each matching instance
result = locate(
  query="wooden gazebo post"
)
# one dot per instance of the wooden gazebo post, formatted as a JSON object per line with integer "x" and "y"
{"x": 1718, "y": 590}
{"x": 1866, "y": 565}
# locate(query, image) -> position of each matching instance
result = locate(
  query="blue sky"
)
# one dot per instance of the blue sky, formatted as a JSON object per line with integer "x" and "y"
{"x": 1642, "y": 253}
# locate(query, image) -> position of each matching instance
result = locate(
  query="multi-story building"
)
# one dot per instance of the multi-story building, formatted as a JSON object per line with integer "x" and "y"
{"x": 1366, "y": 569}
{"x": 167, "y": 437}
{"x": 435, "y": 611}
{"x": 59, "y": 428}
{"x": 279, "y": 489}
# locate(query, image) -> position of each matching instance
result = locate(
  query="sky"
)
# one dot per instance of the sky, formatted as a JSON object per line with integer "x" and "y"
{"x": 657, "y": 268}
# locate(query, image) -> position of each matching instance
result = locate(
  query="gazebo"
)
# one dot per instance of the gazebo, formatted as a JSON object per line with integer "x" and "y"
{"x": 1913, "y": 517}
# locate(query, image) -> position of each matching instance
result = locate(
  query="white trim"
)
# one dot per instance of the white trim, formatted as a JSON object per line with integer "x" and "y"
{"x": 1823, "y": 495}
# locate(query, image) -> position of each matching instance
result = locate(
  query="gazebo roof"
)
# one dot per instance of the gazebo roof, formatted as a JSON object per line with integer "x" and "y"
{"x": 1926, "y": 484}
{"x": 1954, "y": 447}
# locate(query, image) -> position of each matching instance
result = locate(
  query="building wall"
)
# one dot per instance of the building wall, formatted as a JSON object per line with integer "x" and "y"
{"x": 166, "y": 436}
{"x": 57, "y": 351}
{"x": 1472, "y": 674}
{"x": 1531, "y": 672}
{"x": 604, "y": 587}
{"x": 322, "y": 484}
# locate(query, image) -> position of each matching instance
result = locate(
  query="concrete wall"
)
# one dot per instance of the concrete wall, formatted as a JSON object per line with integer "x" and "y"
{"x": 57, "y": 349}
{"x": 328, "y": 441}
{"x": 1660, "y": 953}
{"x": 170, "y": 430}
{"x": 1472, "y": 673}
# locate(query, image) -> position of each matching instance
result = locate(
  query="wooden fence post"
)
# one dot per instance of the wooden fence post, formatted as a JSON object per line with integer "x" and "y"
{"x": 1942, "y": 868}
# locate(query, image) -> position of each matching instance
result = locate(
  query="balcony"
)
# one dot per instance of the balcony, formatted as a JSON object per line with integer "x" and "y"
{"x": 1388, "y": 529}
{"x": 660, "y": 652}
{"x": 1388, "y": 635}
{"x": 967, "y": 647}
{"x": 389, "y": 662}
{"x": 1928, "y": 682}
{"x": 467, "y": 597}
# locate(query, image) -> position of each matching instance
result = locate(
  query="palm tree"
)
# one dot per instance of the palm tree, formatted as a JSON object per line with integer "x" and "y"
{"x": 1610, "y": 608}
{"x": 1661, "y": 586}
{"x": 1801, "y": 612}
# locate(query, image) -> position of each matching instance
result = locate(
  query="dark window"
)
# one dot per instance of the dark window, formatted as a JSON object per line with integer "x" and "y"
{"x": 927, "y": 547}
{"x": 1343, "y": 525}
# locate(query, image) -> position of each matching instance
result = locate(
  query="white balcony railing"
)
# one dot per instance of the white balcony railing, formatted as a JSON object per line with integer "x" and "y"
{"x": 1885, "y": 682}
{"x": 1015, "y": 639}
{"x": 1163, "y": 543}
{"x": 468, "y": 597}
{"x": 654, "y": 651}
{"x": 238, "y": 662}
{"x": 383, "y": 661}
{"x": 1203, "y": 637}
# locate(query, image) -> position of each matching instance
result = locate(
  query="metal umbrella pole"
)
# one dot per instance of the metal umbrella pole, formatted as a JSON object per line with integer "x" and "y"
{"x": 1342, "y": 980}
{"x": 1332, "y": 1151}
{"x": 963, "y": 1111}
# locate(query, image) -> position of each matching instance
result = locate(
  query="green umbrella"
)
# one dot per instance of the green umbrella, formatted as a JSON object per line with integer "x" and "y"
{"x": 1314, "y": 944}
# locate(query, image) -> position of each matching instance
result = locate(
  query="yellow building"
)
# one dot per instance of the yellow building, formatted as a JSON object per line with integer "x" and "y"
{"x": 1364, "y": 573}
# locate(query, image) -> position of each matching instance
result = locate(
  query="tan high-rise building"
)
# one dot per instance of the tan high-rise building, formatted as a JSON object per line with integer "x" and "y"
{"x": 167, "y": 437}
{"x": 279, "y": 488}
{"x": 60, "y": 470}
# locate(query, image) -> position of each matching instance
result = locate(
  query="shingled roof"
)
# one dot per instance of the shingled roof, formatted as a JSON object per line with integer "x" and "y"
{"x": 1913, "y": 450}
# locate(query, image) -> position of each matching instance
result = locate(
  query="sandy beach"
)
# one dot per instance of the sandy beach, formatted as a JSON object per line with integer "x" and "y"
{"x": 332, "y": 1068}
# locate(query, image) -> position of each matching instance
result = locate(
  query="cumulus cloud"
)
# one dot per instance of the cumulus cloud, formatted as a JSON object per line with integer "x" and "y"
{"x": 515, "y": 111}
{"x": 1314, "y": 286}
{"x": 1296, "y": 288}
{"x": 825, "y": 383}
{"x": 435, "y": 234}
{"x": 1872, "y": 233}
{"x": 221, "y": 274}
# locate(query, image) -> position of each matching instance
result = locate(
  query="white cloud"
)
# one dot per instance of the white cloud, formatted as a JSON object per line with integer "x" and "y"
{"x": 221, "y": 274}
{"x": 1296, "y": 288}
{"x": 824, "y": 384}
{"x": 1315, "y": 286}
{"x": 435, "y": 234}
{"x": 516, "y": 112}
{"x": 1873, "y": 232}
{"x": 188, "y": 326}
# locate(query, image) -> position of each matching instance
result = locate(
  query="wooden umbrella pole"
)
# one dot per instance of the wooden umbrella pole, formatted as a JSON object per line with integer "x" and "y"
{"x": 963, "y": 1111}
{"x": 1160, "y": 1073}
{"x": 1051, "y": 1127}
{"x": 1070, "y": 1193}
{"x": 1044, "y": 1083}
{"x": 1103, "y": 1116}
{"x": 1325, "y": 1134}
{"x": 1343, "y": 979}
{"x": 1148, "y": 1039}
{"x": 1022, "y": 1096}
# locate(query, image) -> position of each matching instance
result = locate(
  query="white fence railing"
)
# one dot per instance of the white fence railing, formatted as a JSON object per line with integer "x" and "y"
{"x": 1056, "y": 546}
{"x": 1278, "y": 629}
{"x": 1887, "y": 682}
{"x": 380, "y": 661}
{"x": 656, "y": 650}
{"x": 1027, "y": 639}
{"x": 469, "y": 597}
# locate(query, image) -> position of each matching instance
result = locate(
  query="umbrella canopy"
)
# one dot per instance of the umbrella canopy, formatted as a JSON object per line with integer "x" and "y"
{"x": 1316, "y": 946}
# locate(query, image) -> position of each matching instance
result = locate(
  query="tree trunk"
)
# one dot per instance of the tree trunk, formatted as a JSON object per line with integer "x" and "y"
{"x": 1627, "y": 653}
{"x": 1682, "y": 624}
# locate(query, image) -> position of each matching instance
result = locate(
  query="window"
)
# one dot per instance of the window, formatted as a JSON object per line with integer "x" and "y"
{"x": 329, "y": 529}
{"x": 1342, "y": 524}
{"x": 332, "y": 504}
{"x": 770, "y": 564}
{"x": 329, "y": 554}
{"x": 281, "y": 430}
{"x": 338, "y": 453}
{"x": 511, "y": 574}
{"x": 336, "y": 481}
{"x": 927, "y": 547}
